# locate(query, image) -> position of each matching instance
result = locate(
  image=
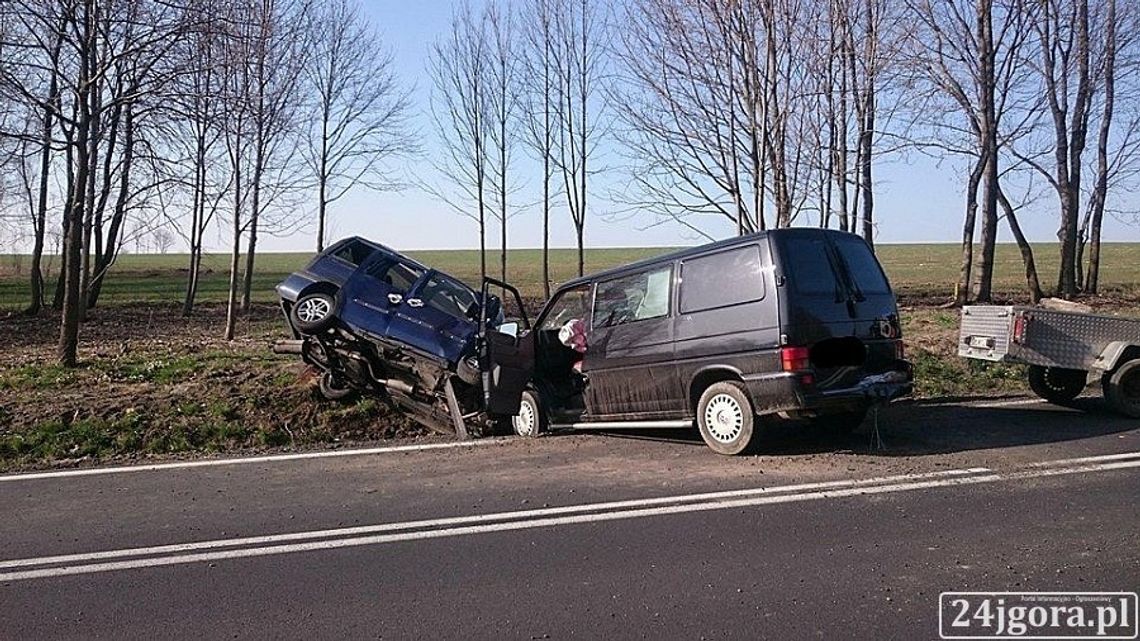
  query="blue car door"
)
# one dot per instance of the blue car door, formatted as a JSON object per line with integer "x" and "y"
{"x": 436, "y": 317}
{"x": 374, "y": 293}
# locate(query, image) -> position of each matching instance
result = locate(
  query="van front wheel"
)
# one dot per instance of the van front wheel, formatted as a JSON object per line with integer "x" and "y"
{"x": 725, "y": 418}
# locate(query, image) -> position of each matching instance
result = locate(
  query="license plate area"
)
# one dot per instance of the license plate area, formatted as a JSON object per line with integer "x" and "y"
{"x": 981, "y": 342}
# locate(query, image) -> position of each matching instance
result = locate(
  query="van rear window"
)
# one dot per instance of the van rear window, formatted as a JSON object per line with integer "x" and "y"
{"x": 808, "y": 264}
{"x": 862, "y": 265}
{"x": 721, "y": 280}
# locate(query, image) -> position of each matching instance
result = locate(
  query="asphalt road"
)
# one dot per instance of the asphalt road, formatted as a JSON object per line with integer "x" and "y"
{"x": 618, "y": 535}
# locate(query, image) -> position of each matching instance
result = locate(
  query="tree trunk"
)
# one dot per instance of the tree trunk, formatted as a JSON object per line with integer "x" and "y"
{"x": 1032, "y": 282}
{"x": 68, "y": 346}
{"x": 1100, "y": 189}
{"x": 235, "y": 255}
{"x": 196, "y": 227}
{"x": 106, "y": 258}
{"x": 989, "y": 149}
{"x": 983, "y": 284}
{"x": 964, "y": 277}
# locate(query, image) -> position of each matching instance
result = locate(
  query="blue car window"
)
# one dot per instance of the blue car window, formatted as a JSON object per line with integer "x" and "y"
{"x": 353, "y": 252}
{"x": 447, "y": 296}
{"x": 397, "y": 275}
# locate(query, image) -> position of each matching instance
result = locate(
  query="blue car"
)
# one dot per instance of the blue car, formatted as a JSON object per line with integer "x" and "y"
{"x": 373, "y": 320}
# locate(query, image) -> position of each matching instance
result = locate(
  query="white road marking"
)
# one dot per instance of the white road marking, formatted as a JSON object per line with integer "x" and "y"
{"x": 269, "y": 458}
{"x": 1019, "y": 402}
{"x": 949, "y": 479}
{"x": 1088, "y": 459}
{"x": 481, "y": 518}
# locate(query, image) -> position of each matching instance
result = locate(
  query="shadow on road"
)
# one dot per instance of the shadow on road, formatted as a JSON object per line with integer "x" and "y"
{"x": 921, "y": 429}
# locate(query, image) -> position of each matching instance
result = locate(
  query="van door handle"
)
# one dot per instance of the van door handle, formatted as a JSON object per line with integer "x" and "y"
{"x": 415, "y": 302}
{"x": 395, "y": 299}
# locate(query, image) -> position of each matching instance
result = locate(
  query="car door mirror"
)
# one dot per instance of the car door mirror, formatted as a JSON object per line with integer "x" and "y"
{"x": 510, "y": 329}
{"x": 395, "y": 298}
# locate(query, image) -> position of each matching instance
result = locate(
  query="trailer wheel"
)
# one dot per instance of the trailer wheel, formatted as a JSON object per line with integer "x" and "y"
{"x": 1122, "y": 389}
{"x": 1055, "y": 384}
{"x": 725, "y": 418}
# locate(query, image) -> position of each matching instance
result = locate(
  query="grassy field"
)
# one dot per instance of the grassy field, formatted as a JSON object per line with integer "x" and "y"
{"x": 929, "y": 270}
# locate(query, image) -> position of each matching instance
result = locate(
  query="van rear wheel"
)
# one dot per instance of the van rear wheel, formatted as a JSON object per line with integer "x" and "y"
{"x": 725, "y": 418}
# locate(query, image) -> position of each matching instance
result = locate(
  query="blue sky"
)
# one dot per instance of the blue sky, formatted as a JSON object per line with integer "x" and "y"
{"x": 917, "y": 199}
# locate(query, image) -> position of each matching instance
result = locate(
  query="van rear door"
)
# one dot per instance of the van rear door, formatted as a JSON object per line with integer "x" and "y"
{"x": 814, "y": 305}
{"x": 875, "y": 311}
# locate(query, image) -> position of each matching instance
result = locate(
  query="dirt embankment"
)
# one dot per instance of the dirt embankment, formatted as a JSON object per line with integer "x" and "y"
{"x": 152, "y": 383}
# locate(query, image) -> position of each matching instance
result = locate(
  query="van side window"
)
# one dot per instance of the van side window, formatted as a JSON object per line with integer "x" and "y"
{"x": 633, "y": 298}
{"x": 723, "y": 279}
{"x": 862, "y": 265}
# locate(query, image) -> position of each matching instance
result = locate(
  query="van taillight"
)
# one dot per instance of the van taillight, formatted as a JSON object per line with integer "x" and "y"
{"x": 795, "y": 359}
{"x": 1020, "y": 324}
{"x": 900, "y": 350}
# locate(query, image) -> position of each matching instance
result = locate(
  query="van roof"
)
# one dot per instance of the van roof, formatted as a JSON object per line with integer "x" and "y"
{"x": 700, "y": 249}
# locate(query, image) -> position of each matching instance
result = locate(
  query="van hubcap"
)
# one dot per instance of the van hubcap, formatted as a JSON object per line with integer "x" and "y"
{"x": 313, "y": 309}
{"x": 526, "y": 420}
{"x": 724, "y": 418}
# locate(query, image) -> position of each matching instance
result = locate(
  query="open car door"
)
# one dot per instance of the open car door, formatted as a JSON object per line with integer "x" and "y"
{"x": 506, "y": 359}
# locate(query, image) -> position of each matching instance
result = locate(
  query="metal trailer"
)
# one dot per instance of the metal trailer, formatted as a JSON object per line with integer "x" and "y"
{"x": 1065, "y": 351}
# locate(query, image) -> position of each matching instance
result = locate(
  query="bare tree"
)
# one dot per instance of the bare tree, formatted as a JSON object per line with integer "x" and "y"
{"x": 359, "y": 117}
{"x": 502, "y": 82}
{"x": 460, "y": 112}
{"x": 538, "y": 106}
{"x": 1118, "y": 132}
{"x": 198, "y": 104}
{"x": 579, "y": 72}
{"x": 744, "y": 110}
{"x": 1075, "y": 54}
{"x": 278, "y": 52}
{"x": 966, "y": 65}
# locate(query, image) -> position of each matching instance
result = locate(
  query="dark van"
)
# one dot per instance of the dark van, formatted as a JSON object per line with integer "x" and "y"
{"x": 796, "y": 322}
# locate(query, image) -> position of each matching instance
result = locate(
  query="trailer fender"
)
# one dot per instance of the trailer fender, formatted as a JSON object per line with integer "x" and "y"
{"x": 1114, "y": 354}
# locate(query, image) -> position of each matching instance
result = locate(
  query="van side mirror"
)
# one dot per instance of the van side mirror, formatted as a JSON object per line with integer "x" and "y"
{"x": 510, "y": 329}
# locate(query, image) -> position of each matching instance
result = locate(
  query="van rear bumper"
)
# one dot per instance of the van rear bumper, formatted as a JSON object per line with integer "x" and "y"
{"x": 784, "y": 392}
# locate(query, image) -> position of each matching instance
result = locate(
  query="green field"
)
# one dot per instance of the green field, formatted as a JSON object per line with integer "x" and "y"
{"x": 930, "y": 269}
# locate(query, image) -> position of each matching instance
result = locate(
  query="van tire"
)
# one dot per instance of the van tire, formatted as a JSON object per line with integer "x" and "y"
{"x": 1122, "y": 389}
{"x": 530, "y": 421}
{"x": 725, "y": 418}
{"x": 1056, "y": 385}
